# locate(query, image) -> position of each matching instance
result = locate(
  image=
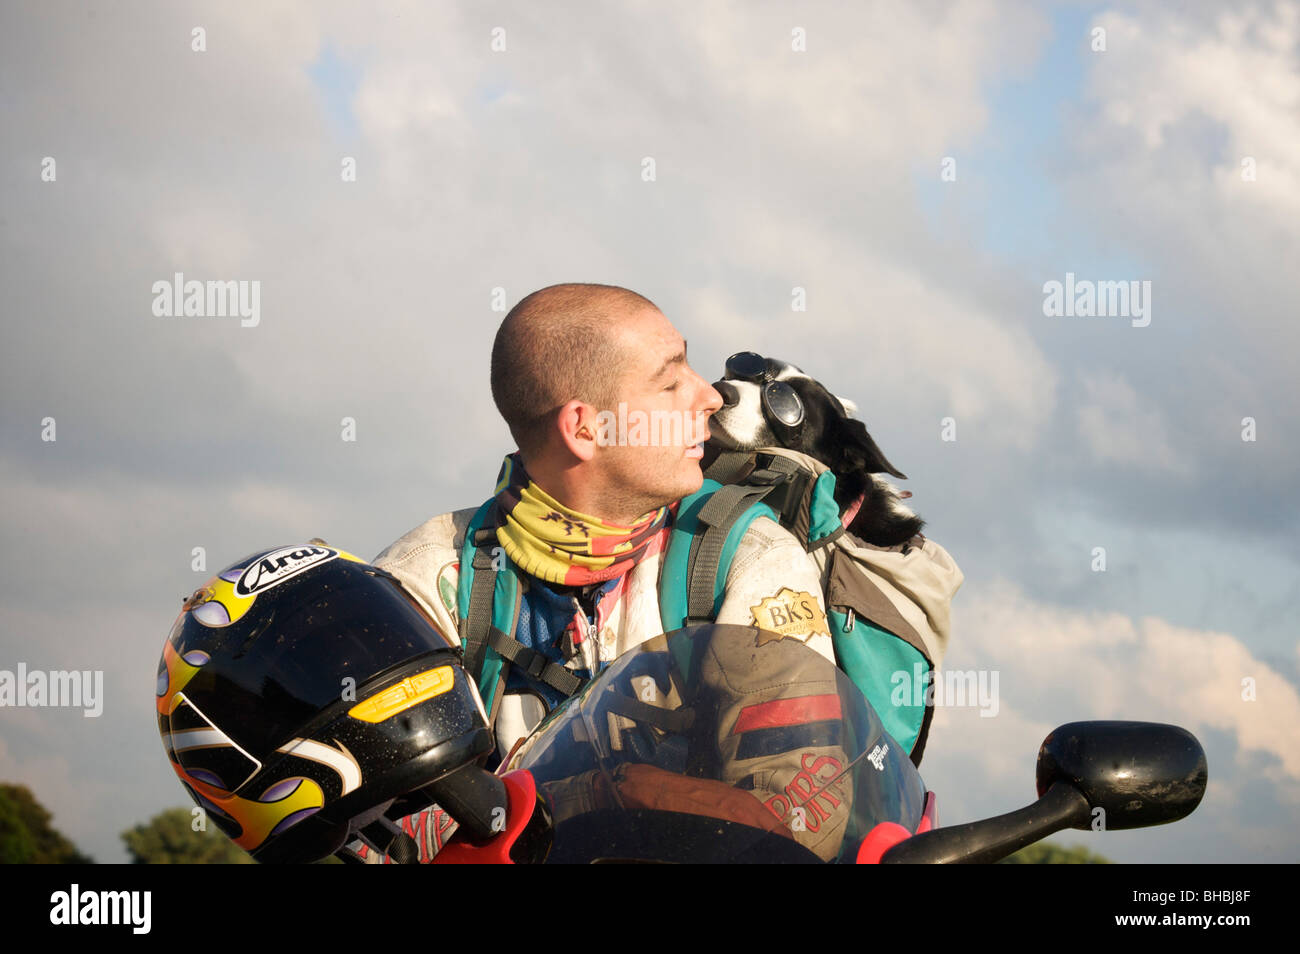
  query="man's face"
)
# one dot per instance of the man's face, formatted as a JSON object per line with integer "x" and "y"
{"x": 652, "y": 448}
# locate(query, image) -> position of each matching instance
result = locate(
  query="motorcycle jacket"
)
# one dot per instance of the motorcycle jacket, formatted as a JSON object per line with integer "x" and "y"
{"x": 770, "y": 583}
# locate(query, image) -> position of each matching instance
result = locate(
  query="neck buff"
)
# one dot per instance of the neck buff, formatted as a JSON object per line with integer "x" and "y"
{"x": 549, "y": 541}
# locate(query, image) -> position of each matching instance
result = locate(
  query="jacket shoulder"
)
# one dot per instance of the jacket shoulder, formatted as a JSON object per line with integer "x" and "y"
{"x": 426, "y": 560}
{"x": 762, "y": 537}
{"x": 436, "y": 538}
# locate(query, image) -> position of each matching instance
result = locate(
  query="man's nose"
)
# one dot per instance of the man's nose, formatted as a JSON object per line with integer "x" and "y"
{"x": 712, "y": 399}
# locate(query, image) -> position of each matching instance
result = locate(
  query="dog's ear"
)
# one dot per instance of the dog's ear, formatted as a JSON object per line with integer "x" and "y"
{"x": 850, "y": 408}
{"x": 858, "y": 452}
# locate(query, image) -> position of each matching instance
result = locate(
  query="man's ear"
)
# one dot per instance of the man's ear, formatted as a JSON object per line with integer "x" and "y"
{"x": 579, "y": 429}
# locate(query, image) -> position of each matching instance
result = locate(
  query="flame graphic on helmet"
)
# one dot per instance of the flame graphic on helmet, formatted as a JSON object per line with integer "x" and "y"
{"x": 195, "y": 752}
{"x": 217, "y": 604}
{"x": 288, "y": 801}
{"x": 174, "y": 674}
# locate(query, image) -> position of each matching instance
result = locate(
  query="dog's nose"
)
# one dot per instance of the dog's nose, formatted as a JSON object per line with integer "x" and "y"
{"x": 730, "y": 396}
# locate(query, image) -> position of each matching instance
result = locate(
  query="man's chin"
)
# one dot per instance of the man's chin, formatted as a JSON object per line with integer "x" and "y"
{"x": 694, "y": 482}
{"x": 687, "y": 483}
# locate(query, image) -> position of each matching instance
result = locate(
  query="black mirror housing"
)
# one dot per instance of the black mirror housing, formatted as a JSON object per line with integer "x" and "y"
{"x": 1138, "y": 773}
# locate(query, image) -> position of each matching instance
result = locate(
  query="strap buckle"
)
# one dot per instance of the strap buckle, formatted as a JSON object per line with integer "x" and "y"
{"x": 536, "y": 664}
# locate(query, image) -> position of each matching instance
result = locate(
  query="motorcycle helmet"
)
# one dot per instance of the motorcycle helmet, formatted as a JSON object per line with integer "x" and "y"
{"x": 302, "y": 691}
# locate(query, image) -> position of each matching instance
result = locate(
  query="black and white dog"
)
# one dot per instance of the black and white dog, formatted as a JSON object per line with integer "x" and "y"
{"x": 769, "y": 403}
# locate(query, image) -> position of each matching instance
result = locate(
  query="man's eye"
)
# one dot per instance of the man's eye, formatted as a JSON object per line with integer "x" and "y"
{"x": 673, "y": 386}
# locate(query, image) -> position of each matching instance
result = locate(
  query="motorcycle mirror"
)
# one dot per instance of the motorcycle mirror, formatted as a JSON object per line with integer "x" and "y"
{"x": 1134, "y": 774}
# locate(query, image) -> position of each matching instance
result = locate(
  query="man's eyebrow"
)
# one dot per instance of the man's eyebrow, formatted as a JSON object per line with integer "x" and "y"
{"x": 679, "y": 358}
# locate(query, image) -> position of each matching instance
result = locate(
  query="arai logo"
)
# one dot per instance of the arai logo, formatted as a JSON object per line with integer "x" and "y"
{"x": 279, "y": 565}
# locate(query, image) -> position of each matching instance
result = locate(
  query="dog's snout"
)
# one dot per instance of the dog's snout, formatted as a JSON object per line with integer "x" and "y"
{"x": 730, "y": 396}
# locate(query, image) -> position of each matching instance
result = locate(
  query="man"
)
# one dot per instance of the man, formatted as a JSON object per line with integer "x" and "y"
{"x": 581, "y": 514}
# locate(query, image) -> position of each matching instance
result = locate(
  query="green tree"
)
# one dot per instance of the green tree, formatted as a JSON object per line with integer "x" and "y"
{"x": 1049, "y": 853}
{"x": 169, "y": 838}
{"x": 25, "y": 833}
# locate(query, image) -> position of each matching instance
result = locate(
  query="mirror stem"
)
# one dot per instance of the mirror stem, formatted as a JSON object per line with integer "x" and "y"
{"x": 992, "y": 839}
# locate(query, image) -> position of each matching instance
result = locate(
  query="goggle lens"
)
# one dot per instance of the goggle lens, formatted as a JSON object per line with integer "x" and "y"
{"x": 746, "y": 366}
{"x": 783, "y": 403}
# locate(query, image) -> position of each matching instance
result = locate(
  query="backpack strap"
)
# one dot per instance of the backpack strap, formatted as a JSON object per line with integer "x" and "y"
{"x": 787, "y": 486}
{"x": 476, "y": 623}
{"x": 535, "y": 664}
{"x": 718, "y": 515}
{"x": 490, "y": 601}
{"x": 485, "y": 600}
{"x": 694, "y": 573}
{"x": 776, "y": 481}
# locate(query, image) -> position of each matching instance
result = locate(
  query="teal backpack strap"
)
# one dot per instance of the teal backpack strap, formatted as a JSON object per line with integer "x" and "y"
{"x": 479, "y": 579}
{"x": 775, "y": 486}
{"x": 719, "y": 516}
{"x": 695, "y": 574}
{"x": 489, "y": 601}
{"x": 487, "y": 604}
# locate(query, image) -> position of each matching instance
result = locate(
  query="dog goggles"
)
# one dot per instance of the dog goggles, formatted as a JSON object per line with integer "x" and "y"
{"x": 781, "y": 403}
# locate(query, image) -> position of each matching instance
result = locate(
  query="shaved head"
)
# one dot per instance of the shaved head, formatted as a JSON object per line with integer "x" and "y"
{"x": 559, "y": 344}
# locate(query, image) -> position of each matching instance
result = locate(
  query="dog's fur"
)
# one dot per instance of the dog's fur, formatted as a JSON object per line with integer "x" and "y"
{"x": 831, "y": 435}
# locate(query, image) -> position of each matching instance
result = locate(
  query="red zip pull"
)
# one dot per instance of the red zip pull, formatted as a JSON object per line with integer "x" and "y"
{"x": 582, "y": 629}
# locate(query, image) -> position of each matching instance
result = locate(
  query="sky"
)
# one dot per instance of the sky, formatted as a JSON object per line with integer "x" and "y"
{"x": 921, "y": 171}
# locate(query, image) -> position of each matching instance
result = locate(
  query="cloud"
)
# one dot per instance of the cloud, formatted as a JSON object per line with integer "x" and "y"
{"x": 1238, "y": 70}
{"x": 1214, "y": 680}
{"x": 1181, "y": 96}
{"x": 895, "y": 355}
{"x": 979, "y": 767}
{"x": 1070, "y": 665}
{"x": 1117, "y": 427}
{"x": 1059, "y": 665}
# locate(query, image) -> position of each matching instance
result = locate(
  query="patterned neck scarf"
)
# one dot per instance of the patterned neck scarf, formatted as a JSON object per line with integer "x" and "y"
{"x": 549, "y": 541}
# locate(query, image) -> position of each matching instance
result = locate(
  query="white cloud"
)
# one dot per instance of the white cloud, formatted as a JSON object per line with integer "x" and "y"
{"x": 1182, "y": 94}
{"x": 1059, "y": 665}
{"x": 1241, "y": 71}
{"x": 1067, "y": 665}
{"x": 980, "y": 766}
{"x": 1201, "y": 678}
{"x": 862, "y": 89}
{"x": 876, "y": 329}
{"x": 1117, "y": 426}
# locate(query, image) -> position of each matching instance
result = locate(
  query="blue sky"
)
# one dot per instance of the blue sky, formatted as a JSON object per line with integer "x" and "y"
{"x": 337, "y": 81}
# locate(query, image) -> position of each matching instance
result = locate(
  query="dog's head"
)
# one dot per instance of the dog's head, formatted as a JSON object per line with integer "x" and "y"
{"x": 827, "y": 430}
